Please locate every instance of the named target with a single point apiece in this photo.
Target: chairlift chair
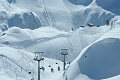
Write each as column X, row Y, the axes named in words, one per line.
column 32, row 79
column 43, row 68
column 58, row 68
column 49, row 66
column 29, row 72
column 69, row 62
column 52, row 70
column 49, row 63
column 56, row 60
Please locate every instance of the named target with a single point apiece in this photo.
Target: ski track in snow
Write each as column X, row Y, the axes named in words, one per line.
column 22, row 69
column 55, row 16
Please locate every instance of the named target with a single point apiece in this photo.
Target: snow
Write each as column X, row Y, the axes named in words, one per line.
column 102, row 58
column 82, row 2
column 107, row 5
column 49, row 26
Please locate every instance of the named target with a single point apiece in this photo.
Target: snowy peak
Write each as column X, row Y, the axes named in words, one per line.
column 62, row 15
column 110, row 5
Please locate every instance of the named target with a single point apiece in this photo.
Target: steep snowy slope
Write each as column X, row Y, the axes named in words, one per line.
column 61, row 14
column 100, row 60
column 110, row 5
column 48, row 40
column 82, row 15
column 14, row 16
column 42, row 25
column 35, row 13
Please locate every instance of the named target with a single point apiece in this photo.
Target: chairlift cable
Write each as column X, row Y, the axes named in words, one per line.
column 49, row 63
column 56, row 60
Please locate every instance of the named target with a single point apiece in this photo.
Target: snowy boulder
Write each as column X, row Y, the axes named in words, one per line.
column 101, row 60
column 14, row 34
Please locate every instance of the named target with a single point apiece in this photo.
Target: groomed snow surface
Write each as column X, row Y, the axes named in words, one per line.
column 99, row 60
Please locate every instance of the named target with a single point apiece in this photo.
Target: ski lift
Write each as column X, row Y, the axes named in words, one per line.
column 43, row 69
column 68, row 62
column 42, row 66
column 32, row 79
column 29, row 72
column 58, row 68
column 56, row 63
column 52, row 70
column 29, row 68
column 56, row 60
column 49, row 63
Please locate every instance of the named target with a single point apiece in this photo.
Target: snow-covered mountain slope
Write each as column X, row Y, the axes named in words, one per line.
column 49, row 26
column 111, row 5
column 46, row 39
column 22, row 66
column 100, row 60
column 36, row 13
column 82, row 15
column 51, row 41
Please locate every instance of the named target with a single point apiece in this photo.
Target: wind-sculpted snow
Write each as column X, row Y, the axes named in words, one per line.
column 62, row 16
column 110, row 5
column 20, row 64
column 81, row 2
column 51, row 25
column 24, row 20
column 53, row 42
column 93, row 13
column 102, row 59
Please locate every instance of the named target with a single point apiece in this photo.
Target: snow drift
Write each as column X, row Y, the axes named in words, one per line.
column 102, row 59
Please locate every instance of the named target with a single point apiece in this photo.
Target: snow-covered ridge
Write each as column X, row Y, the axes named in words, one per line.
column 110, row 5
column 40, row 13
column 51, row 25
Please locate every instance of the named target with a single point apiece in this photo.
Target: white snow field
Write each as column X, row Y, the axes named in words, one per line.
column 28, row 26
